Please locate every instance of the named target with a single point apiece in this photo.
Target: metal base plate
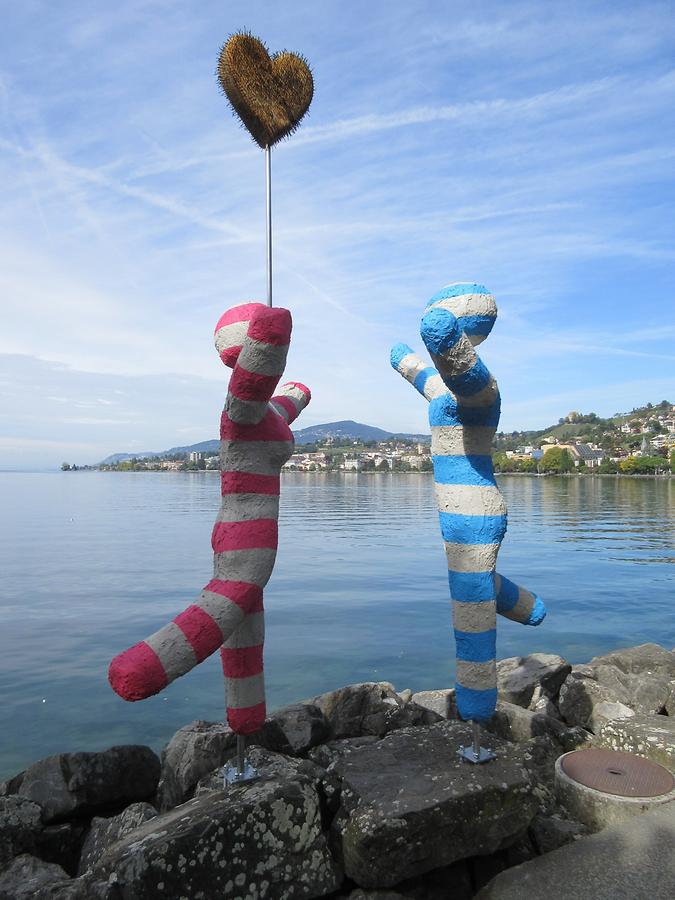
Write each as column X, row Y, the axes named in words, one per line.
column 232, row 774
column 469, row 754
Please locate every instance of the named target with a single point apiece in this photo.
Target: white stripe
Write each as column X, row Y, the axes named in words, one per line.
column 245, row 412
column 173, row 649
column 480, row 676
column 467, row 305
column 251, row 632
column 251, row 566
column 263, row 358
column 231, row 335
column 243, row 692
column 470, row 499
column 254, row 457
column 279, row 409
column 458, row 440
column 294, row 393
column 471, row 557
column 246, row 507
column 224, row 612
column 474, row 617
column 457, row 360
column 486, row 397
column 434, row 387
column 522, row 611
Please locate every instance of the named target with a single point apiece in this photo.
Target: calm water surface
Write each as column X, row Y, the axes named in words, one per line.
column 93, row 562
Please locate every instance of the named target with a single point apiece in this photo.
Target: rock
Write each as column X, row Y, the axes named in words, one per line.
column 541, row 703
column 447, row 883
column 20, row 825
column 268, row 765
column 74, row 783
column 441, row 702
column 405, row 695
column 303, row 725
column 371, row 708
column 514, row 723
column 624, row 862
column 259, row 839
column 62, row 844
column 519, row 676
column 650, row 736
column 605, row 711
column 646, row 658
column 27, row 876
column 198, row 748
column 105, row 832
column 552, row 831
column 410, row 804
column 588, row 686
column 327, row 754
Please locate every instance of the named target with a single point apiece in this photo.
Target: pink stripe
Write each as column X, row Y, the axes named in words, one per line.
column 248, row 719
column 242, row 662
column 137, row 673
column 246, row 535
column 242, row 313
column 268, row 429
column 273, row 326
column 230, row 355
column 248, row 597
column 288, row 405
column 245, row 385
column 201, row 632
column 248, row 483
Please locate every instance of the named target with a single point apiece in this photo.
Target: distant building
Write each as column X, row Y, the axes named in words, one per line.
column 195, row 456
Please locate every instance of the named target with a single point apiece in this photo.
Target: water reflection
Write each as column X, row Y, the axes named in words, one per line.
column 91, row 562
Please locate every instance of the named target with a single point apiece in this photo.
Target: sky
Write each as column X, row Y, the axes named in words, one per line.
column 526, row 146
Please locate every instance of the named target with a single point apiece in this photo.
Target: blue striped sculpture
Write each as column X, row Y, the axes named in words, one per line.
column 464, row 408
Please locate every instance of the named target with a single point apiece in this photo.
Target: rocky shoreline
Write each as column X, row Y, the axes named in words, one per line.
column 360, row 795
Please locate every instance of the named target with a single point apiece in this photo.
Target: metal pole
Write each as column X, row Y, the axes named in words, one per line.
column 241, row 754
column 268, row 211
column 475, row 728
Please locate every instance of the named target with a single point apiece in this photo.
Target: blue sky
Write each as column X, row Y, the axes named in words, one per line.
column 528, row 146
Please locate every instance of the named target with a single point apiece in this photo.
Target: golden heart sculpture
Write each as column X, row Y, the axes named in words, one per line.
column 270, row 94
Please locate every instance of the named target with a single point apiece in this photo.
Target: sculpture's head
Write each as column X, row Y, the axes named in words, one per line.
column 231, row 331
column 473, row 306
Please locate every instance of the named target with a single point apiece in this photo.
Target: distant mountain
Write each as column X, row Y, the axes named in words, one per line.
column 345, row 430
column 350, row 431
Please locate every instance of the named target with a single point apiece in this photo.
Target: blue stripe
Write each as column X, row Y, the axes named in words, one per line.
column 538, row 613
column 470, row 382
column 461, row 529
column 471, row 587
column 507, row 596
column 470, row 469
column 445, row 411
column 421, row 379
column 476, row 324
column 440, row 331
column 458, row 290
column 398, row 352
column 476, row 705
column 479, row 646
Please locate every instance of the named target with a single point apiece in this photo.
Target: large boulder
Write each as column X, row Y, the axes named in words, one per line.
column 304, row 726
column 522, row 678
column 74, row 783
column 261, row 839
column 371, row 708
column 650, row 736
column 198, row 748
column 514, row 723
column 411, row 804
column 20, row 826
column 588, row 686
column 442, row 702
column 649, row 659
column 105, row 832
column 623, row 862
column 28, row 877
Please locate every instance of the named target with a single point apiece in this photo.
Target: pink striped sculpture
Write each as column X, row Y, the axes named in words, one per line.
column 255, row 442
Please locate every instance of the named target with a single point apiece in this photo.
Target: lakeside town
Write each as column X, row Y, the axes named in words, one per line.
column 641, row 442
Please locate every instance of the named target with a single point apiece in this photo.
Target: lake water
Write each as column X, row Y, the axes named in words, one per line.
column 91, row 562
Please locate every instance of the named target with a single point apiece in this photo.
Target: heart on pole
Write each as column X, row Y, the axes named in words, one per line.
column 270, row 94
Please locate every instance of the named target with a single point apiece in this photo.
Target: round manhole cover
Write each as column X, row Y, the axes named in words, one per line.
column 617, row 773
